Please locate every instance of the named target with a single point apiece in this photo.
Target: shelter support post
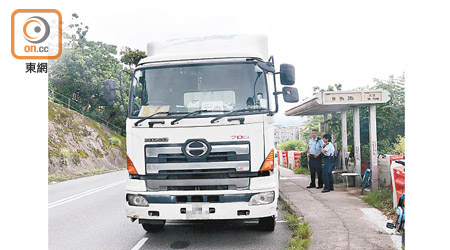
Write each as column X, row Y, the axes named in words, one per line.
column 333, row 133
column 325, row 124
column 344, row 139
column 357, row 143
column 373, row 145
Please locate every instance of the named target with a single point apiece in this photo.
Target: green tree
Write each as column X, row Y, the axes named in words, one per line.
column 131, row 57
column 293, row 145
column 335, row 87
column 312, row 122
column 390, row 115
column 81, row 70
column 399, row 145
column 333, row 122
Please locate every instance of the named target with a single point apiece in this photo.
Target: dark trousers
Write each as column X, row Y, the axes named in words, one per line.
column 327, row 174
column 315, row 165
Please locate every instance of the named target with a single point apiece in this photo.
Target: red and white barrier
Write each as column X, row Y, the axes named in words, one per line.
column 289, row 159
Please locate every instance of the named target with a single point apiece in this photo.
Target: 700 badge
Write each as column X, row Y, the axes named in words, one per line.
column 239, row 137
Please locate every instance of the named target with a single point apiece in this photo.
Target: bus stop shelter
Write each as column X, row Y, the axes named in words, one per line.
column 332, row 102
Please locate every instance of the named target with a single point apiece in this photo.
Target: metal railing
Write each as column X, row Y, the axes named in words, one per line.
column 72, row 104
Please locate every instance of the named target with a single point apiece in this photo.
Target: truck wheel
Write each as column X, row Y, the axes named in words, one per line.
column 154, row 227
column 267, row 223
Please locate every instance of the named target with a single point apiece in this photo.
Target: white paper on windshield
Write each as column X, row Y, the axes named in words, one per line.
column 215, row 105
column 194, row 104
column 150, row 110
column 201, row 98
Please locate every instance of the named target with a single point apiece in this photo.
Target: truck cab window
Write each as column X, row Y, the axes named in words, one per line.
column 214, row 87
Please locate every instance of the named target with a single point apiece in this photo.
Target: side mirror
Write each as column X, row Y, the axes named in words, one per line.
column 287, row 74
column 268, row 67
column 290, row 94
column 109, row 91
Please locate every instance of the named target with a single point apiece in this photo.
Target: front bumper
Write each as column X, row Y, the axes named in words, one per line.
column 201, row 210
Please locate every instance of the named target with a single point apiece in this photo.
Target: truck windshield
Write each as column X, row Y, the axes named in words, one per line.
column 186, row 88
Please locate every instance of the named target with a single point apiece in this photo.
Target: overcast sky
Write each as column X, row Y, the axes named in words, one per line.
column 346, row 42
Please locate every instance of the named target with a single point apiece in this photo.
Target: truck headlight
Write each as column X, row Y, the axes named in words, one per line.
column 137, row 200
column 262, row 198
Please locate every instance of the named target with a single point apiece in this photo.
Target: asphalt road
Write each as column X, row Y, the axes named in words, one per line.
column 88, row 213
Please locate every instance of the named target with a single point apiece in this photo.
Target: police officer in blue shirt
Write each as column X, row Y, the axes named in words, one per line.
column 315, row 162
column 328, row 153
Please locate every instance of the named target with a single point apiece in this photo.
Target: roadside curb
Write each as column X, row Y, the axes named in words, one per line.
column 293, row 207
column 301, row 231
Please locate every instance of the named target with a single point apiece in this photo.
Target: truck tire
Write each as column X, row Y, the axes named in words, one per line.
column 154, row 227
column 267, row 223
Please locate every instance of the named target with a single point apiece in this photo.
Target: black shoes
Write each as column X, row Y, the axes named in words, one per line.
column 310, row 186
column 319, row 187
column 326, row 190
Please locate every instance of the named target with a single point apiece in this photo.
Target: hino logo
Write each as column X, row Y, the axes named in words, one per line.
column 196, row 148
column 163, row 139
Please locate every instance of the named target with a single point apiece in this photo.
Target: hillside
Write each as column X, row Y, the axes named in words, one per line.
column 79, row 146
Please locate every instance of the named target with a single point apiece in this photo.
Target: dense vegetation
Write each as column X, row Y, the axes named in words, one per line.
column 83, row 66
column 79, row 146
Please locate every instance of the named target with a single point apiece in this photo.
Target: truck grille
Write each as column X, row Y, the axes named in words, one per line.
column 212, row 157
column 224, row 155
column 207, row 168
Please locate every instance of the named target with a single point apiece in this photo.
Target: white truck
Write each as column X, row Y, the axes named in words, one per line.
column 200, row 131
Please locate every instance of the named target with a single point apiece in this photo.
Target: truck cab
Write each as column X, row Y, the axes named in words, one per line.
column 200, row 131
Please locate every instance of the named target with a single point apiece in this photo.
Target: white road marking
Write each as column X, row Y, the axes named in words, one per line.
column 294, row 177
column 139, row 244
column 256, row 222
column 86, row 193
column 374, row 216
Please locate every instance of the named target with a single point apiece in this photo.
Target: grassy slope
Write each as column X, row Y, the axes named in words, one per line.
column 76, row 144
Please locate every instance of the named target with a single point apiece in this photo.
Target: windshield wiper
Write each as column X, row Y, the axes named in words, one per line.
column 232, row 113
column 196, row 112
column 189, row 115
column 157, row 113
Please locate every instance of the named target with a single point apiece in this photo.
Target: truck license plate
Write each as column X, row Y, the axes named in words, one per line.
column 197, row 210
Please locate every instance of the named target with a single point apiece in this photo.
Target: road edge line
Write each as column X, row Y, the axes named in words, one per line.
column 83, row 194
column 139, row 244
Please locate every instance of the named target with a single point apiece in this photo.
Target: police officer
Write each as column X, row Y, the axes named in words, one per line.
column 315, row 162
column 328, row 152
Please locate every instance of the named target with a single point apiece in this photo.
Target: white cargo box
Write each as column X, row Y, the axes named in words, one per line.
column 220, row 46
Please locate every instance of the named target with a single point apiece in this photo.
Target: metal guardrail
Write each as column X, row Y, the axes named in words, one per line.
column 72, row 104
